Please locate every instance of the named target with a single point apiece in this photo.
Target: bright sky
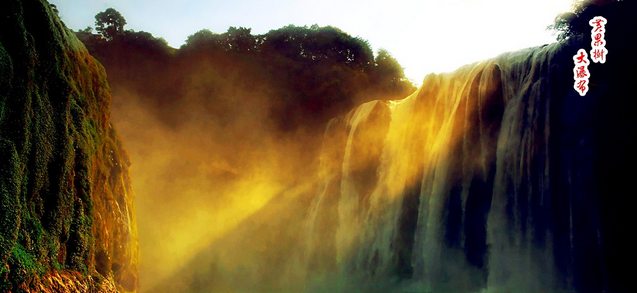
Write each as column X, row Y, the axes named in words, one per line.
column 424, row 36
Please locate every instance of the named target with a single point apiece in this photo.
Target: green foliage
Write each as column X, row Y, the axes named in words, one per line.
column 316, row 72
column 5, row 285
column 240, row 40
column 55, row 9
column 325, row 44
column 88, row 30
column 9, row 201
column 143, row 40
column 110, row 23
column 6, row 75
column 53, row 120
column 20, row 261
column 387, row 65
column 86, row 36
column 80, row 240
column 204, row 40
column 390, row 74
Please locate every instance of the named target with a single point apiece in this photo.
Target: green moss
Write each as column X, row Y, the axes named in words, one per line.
column 5, row 285
column 80, row 240
column 53, row 249
column 53, row 141
column 6, row 75
column 9, row 202
column 22, row 260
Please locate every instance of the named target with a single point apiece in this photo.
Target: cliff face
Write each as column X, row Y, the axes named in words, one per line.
column 67, row 221
column 498, row 177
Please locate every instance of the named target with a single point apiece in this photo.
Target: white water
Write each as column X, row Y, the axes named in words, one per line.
column 460, row 198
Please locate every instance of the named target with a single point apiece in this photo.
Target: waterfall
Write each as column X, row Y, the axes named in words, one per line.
column 483, row 180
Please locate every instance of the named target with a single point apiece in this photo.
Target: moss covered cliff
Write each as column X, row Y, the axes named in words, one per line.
column 67, row 221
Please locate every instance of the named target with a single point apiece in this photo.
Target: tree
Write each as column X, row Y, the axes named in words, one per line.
column 575, row 22
column 203, row 40
column 86, row 35
column 388, row 67
column 88, row 30
column 240, row 39
column 110, row 23
column 390, row 76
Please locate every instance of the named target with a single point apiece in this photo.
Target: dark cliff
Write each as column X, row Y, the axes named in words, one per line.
column 67, row 221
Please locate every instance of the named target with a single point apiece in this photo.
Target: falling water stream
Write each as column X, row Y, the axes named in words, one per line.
column 484, row 179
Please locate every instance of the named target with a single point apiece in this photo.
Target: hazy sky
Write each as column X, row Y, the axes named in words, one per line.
column 424, row 36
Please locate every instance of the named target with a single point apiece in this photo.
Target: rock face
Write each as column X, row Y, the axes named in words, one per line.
column 498, row 177
column 67, row 222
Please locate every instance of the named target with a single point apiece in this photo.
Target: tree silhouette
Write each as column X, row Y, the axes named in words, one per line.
column 204, row 40
column 575, row 22
column 389, row 76
column 110, row 23
column 314, row 72
column 388, row 67
column 240, row 39
column 87, row 30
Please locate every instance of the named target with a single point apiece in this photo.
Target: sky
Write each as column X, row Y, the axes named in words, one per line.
column 424, row 36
